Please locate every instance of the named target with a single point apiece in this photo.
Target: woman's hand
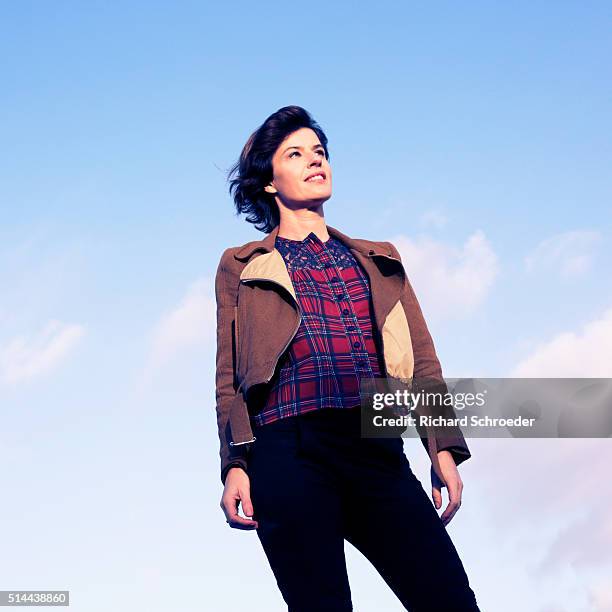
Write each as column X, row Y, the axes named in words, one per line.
column 454, row 485
column 238, row 490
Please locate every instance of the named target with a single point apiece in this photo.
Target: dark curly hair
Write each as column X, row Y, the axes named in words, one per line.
column 253, row 170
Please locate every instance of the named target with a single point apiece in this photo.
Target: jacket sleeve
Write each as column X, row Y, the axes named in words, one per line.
column 225, row 378
column 428, row 372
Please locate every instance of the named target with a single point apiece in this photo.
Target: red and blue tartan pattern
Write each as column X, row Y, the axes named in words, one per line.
column 334, row 346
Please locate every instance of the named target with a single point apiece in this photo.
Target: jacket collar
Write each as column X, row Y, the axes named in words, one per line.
column 365, row 247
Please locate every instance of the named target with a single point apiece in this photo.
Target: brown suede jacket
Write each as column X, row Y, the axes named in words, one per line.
column 258, row 316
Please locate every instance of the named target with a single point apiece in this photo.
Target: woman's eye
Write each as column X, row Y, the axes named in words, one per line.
column 321, row 151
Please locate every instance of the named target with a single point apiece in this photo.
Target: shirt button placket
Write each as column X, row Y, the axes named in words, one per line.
column 358, row 351
column 360, row 358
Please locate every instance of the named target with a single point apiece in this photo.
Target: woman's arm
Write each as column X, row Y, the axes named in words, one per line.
column 236, row 481
column 427, row 368
column 225, row 388
column 451, row 447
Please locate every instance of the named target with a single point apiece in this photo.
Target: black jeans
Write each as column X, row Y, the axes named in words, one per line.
column 315, row 482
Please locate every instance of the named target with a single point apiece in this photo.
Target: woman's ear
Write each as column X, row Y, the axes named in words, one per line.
column 270, row 188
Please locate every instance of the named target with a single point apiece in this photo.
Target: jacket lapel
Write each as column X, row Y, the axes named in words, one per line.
column 385, row 273
column 271, row 267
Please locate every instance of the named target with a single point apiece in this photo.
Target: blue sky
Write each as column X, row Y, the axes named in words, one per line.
column 475, row 137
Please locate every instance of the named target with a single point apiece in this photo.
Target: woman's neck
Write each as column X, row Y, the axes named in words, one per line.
column 297, row 227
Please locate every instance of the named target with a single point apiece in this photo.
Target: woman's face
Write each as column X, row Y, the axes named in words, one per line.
column 300, row 156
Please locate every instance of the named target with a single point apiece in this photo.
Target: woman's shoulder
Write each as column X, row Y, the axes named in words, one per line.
column 233, row 260
column 383, row 247
column 364, row 244
column 227, row 261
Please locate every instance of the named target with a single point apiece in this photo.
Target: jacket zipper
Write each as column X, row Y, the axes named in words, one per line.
column 299, row 309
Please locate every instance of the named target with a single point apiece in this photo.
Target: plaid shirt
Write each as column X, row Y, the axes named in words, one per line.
column 334, row 345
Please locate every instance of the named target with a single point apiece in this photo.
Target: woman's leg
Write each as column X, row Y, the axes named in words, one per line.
column 386, row 513
column 390, row 519
column 299, row 511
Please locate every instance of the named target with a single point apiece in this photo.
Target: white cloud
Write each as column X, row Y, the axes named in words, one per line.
column 568, row 254
column 449, row 282
column 584, row 354
column 24, row 358
column 190, row 324
column 586, row 542
column 552, row 498
column 563, row 479
column 600, row 598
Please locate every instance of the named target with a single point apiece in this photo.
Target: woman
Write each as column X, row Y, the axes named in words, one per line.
column 303, row 316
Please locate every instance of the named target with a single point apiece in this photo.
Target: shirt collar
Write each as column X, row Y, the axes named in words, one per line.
column 365, row 247
column 311, row 238
column 301, row 252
